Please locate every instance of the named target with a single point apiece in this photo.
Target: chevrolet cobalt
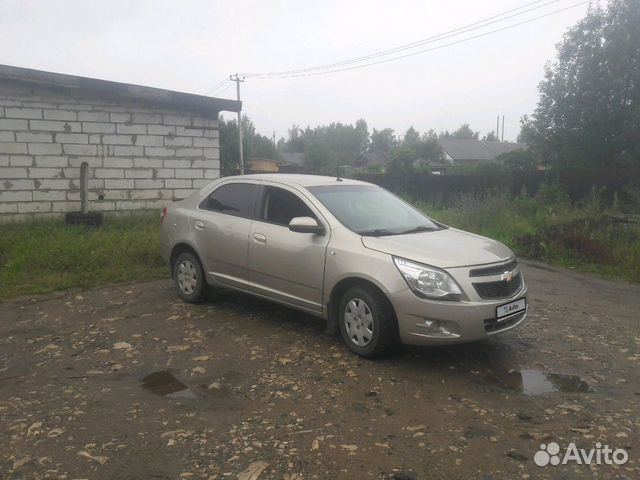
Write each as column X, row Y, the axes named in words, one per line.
column 374, row 267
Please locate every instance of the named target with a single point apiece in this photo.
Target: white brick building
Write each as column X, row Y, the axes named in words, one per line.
column 144, row 146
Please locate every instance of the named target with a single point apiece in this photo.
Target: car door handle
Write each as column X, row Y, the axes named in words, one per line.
column 199, row 225
column 260, row 238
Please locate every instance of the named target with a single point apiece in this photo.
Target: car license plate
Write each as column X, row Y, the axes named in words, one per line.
column 510, row 308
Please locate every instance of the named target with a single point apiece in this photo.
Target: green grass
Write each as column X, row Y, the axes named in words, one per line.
column 550, row 229
column 47, row 256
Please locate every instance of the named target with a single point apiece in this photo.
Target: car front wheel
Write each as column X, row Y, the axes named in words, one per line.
column 367, row 322
column 188, row 275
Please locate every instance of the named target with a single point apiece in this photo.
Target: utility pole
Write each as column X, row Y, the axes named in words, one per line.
column 503, row 128
column 238, row 79
column 498, row 129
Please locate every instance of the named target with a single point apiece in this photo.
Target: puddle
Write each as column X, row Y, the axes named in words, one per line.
column 165, row 384
column 538, row 382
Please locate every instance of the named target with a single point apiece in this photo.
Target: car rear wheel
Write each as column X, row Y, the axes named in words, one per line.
column 367, row 322
column 188, row 275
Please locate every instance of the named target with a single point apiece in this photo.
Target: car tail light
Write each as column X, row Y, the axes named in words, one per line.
column 163, row 214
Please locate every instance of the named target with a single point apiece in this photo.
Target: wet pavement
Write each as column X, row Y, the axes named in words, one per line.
column 165, row 384
column 531, row 381
column 127, row 382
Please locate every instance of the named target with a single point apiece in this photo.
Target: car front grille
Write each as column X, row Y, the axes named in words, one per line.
column 499, row 289
column 494, row 270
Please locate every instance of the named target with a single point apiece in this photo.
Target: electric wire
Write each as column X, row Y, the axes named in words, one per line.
column 399, row 57
column 217, row 86
column 442, row 36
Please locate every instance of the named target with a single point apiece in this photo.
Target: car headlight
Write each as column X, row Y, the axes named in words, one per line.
column 428, row 282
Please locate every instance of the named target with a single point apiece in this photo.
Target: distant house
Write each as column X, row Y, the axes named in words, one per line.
column 262, row 165
column 461, row 151
column 456, row 152
column 291, row 163
column 439, row 167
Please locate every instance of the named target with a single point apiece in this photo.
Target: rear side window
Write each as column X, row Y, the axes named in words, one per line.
column 280, row 206
column 236, row 199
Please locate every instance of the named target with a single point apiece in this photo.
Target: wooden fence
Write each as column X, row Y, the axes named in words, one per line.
column 444, row 189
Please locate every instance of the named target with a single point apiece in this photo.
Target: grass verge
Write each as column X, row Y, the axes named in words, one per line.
column 588, row 237
column 47, row 256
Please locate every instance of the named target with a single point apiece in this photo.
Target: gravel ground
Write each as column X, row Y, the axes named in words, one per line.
column 128, row 382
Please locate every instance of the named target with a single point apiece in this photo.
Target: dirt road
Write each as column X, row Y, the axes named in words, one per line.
column 127, row 382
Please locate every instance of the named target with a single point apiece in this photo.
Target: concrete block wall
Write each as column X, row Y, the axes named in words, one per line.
column 140, row 156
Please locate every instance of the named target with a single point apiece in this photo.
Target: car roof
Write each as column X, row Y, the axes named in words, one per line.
column 299, row 179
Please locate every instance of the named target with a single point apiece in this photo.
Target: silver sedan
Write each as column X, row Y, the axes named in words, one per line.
column 374, row 267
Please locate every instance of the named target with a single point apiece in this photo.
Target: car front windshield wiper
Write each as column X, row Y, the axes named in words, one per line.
column 419, row 228
column 377, row 232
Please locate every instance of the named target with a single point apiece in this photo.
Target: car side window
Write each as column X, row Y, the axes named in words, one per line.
column 235, row 199
column 280, row 206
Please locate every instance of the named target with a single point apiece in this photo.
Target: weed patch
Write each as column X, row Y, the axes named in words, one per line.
column 588, row 236
column 46, row 256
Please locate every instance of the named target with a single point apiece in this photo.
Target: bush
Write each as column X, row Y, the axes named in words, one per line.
column 553, row 195
column 549, row 228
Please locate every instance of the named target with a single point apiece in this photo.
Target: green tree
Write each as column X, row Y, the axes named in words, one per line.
column 464, row 132
column 253, row 145
column 518, row 160
column 491, row 137
column 345, row 142
column 414, row 147
column 382, row 141
column 429, row 148
column 296, row 142
column 588, row 114
column 318, row 159
column 263, row 147
column 362, row 134
column 229, row 151
column 327, row 146
column 402, row 160
column 411, row 137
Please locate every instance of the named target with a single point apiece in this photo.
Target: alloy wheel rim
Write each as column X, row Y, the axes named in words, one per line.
column 358, row 322
column 187, row 277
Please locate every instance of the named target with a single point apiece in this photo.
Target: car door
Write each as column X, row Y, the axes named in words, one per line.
column 221, row 224
column 285, row 265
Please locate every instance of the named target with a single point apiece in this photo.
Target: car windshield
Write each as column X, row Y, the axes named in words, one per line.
column 372, row 211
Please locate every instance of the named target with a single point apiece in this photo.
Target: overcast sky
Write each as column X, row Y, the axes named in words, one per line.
column 191, row 45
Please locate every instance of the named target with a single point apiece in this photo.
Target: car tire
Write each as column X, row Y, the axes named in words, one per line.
column 189, row 278
column 367, row 322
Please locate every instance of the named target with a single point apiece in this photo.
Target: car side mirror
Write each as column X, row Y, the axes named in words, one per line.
column 305, row 225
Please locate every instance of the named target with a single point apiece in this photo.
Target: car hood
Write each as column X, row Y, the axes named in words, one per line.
column 445, row 248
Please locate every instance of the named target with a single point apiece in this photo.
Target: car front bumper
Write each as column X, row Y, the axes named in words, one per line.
column 465, row 321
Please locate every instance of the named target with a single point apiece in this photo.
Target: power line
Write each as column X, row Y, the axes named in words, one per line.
column 386, row 60
column 225, row 89
column 451, row 33
column 216, row 86
column 222, row 88
column 417, row 43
